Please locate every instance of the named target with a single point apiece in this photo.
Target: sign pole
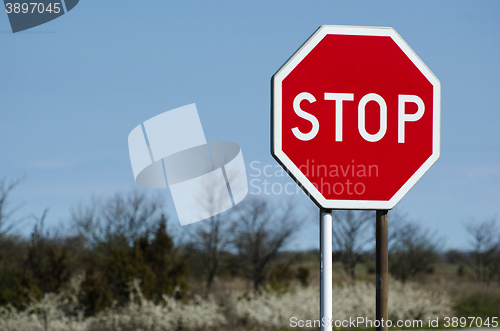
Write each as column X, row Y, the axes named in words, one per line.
column 325, row 239
column 382, row 263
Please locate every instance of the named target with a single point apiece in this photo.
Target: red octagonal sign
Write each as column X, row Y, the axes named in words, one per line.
column 355, row 117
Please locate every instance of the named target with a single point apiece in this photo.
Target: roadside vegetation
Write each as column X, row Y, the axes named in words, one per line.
column 119, row 266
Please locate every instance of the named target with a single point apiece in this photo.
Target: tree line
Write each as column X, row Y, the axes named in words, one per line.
column 413, row 249
column 116, row 240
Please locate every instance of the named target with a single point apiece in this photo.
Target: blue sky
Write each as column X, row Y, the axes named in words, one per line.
column 72, row 90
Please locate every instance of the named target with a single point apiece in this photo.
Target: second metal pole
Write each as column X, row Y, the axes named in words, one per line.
column 382, row 268
column 325, row 239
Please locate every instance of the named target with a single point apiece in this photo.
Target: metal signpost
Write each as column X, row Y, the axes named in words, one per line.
column 356, row 123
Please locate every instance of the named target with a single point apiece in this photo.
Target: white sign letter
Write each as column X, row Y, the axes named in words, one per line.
column 339, row 97
column 311, row 118
column 402, row 117
column 361, row 117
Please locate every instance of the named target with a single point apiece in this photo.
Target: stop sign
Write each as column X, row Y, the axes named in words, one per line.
column 355, row 117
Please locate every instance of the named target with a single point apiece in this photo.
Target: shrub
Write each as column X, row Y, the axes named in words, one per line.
column 478, row 304
column 153, row 262
column 303, row 275
column 269, row 310
column 406, row 301
column 15, row 288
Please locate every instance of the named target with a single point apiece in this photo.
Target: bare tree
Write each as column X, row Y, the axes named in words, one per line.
column 212, row 236
column 351, row 233
column 211, row 239
column 485, row 255
column 119, row 220
column 261, row 230
column 7, row 219
column 413, row 249
column 47, row 257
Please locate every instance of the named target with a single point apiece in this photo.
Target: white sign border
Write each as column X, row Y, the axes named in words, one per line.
column 276, row 117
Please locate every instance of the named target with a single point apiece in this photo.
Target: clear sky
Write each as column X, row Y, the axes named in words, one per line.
column 72, row 90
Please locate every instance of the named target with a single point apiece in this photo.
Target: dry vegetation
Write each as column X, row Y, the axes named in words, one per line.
column 120, row 268
column 224, row 310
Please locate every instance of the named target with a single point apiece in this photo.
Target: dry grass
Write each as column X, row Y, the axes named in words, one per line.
column 228, row 309
column 232, row 307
